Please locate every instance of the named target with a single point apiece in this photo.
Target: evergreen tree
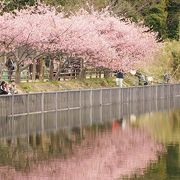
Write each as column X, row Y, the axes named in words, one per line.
column 155, row 16
column 10, row 5
column 173, row 20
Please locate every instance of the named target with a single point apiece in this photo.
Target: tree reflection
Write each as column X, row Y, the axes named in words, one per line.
column 102, row 151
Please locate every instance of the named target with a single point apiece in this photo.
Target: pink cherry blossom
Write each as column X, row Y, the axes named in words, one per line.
column 101, row 38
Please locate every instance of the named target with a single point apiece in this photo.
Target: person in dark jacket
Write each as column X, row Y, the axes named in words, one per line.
column 119, row 78
column 10, row 66
column 3, row 89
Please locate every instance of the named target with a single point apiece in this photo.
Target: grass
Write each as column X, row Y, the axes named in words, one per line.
column 64, row 85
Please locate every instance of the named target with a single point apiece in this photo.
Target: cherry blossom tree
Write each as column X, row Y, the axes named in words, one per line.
column 100, row 38
column 23, row 35
column 132, row 44
column 104, row 40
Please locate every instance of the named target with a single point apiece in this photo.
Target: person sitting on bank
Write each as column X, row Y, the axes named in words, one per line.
column 12, row 88
column 119, row 78
column 166, row 77
column 142, row 78
column 3, row 88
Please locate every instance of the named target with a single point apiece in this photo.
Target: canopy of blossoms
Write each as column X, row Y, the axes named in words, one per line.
column 101, row 38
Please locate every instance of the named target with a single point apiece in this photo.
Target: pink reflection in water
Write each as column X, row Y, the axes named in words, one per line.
column 109, row 156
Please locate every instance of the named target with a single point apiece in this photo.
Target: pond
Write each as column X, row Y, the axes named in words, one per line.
column 130, row 141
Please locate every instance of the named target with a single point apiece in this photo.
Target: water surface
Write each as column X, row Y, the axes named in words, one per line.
column 130, row 141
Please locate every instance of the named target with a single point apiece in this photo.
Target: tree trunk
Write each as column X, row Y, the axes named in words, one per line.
column 60, row 69
column 41, row 73
column 57, row 76
column 18, row 74
column 82, row 73
column 107, row 73
column 34, row 71
column 51, row 69
column 2, row 64
column 1, row 68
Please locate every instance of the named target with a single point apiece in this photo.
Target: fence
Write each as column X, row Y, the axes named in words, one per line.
column 22, row 104
column 67, row 75
column 36, row 112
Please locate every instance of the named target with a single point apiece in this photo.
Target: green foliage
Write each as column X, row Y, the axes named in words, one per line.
column 56, row 2
column 126, row 9
column 173, row 20
column 26, row 87
column 168, row 60
column 160, row 15
column 10, row 5
column 56, row 83
column 172, row 50
column 99, row 82
column 176, row 62
column 156, row 17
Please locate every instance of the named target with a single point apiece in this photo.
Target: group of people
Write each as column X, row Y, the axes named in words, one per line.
column 120, row 76
column 6, row 88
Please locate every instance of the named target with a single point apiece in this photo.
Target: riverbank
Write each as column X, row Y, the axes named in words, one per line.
column 48, row 86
